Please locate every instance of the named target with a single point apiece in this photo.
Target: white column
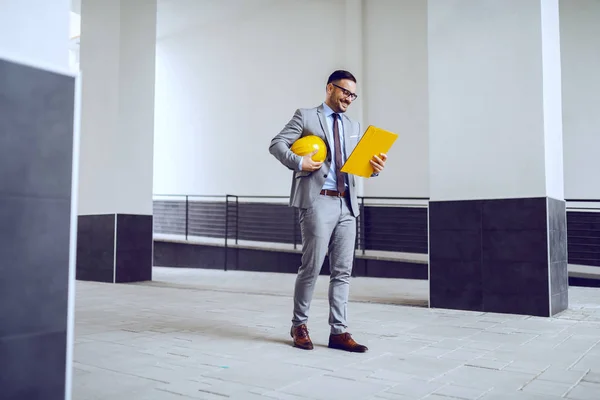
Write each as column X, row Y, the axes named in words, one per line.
column 580, row 51
column 35, row 32
column 118, row 41
column 497, row 228
column 355, row 63
column 395, row 95
column 355, row 53
column 580, row 41
column 494, row 85
column 117, row 61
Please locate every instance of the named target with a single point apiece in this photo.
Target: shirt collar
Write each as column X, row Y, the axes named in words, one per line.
column 329, row 111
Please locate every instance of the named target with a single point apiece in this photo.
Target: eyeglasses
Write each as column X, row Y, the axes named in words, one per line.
column 346, row 92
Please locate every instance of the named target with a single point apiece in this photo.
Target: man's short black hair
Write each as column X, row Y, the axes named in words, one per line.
column 339, row 75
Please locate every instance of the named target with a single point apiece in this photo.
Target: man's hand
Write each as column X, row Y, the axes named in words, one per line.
column 378, row 163
column 308, row 164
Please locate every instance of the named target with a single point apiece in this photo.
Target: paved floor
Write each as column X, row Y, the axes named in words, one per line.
column 197, row 334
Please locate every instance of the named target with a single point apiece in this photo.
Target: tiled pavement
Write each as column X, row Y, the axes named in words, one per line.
column 197, row 334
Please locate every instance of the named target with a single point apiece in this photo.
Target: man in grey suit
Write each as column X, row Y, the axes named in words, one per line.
column 328, row 207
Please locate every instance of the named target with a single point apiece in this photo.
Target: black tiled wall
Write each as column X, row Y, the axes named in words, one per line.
column 189, row 255
column 99, row 260
column 401, row 229
column 492, row 255
column 36, row 143
column 583, row 229
column 395, row 228
column 96, row 248
column 268, row 222
column 134, row 248
column 455, row 266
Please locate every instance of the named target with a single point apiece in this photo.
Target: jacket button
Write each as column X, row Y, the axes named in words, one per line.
column 325, row 176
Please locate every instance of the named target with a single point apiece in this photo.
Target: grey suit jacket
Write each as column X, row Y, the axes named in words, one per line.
column 307, row 185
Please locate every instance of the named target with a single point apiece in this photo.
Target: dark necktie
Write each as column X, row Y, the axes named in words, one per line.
column 338, row 155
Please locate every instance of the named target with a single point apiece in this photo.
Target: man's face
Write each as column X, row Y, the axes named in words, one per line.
column 340, row 95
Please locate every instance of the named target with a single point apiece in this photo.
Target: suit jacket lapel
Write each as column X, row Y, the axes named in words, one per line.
column 324, row 126
column 321, row 115
column 347, row 134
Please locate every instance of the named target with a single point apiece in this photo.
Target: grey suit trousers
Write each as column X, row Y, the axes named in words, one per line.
column 328, row 227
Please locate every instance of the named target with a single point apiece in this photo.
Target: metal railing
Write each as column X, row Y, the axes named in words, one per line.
column 392, row 224
column 388, row 224
column 583, row 232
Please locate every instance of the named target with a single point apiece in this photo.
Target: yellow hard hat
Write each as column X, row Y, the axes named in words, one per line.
column 307, row 144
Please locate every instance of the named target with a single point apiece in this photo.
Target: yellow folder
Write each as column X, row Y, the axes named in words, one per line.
column 374, row 141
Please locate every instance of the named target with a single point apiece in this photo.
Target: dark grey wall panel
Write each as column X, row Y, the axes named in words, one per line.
column 114, row 251
column 36, row 132
column 36, row 147
column 456, row 266
column 184, row 255
column 33, row 366
column 34, row 244
column 585, row 282
column 276, row 223
column 190, row 255
column 270, row 261
column 493, row 255
column 133, row 259
column 381, row 268
column 96, row 248
column 401, row 229
column 583, row 229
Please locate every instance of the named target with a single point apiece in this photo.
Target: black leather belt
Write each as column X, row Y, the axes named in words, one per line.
column 333, row 193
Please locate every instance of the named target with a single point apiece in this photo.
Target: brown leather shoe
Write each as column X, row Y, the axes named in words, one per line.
column 301, row 338
column 344, row 341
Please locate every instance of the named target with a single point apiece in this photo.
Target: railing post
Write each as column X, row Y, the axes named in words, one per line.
column 362, row 225
column 226, row 229
column 237, row 219
column 237, row 232
column 187, row 213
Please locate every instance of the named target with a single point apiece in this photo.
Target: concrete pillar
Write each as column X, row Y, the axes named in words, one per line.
column 38, row 213
column 117, row 60
column 355, row 63
column 497, row 220
column 580, row 53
